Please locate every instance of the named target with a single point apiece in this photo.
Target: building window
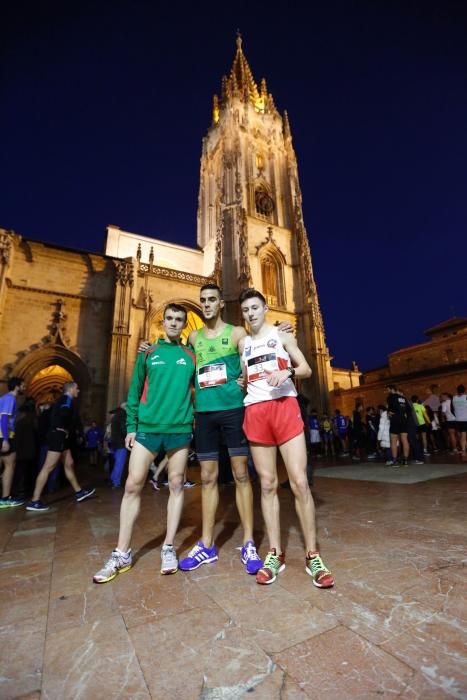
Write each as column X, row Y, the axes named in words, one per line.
column 272, row 279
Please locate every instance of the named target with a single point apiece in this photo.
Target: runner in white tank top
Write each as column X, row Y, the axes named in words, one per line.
column 273, row 421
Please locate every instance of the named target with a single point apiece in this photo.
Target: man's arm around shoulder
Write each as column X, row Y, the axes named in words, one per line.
column 238, row 333
column 192, row 337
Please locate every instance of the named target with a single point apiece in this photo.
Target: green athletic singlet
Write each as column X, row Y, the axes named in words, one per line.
column 217, row 369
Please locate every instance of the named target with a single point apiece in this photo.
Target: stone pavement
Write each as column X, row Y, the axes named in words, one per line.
column 394, row 626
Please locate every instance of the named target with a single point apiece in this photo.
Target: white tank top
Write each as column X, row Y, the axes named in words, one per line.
column 460, row 407
column 262, row 356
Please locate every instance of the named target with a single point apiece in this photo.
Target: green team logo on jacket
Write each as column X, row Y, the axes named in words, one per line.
column 217, row 369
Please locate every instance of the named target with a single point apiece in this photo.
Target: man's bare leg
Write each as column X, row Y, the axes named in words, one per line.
column 9, row 463
column 140, row 459
column 424, row 443
column 265, row 459
column 176, row 467
column 394, row 440
column 51, row 461
column 209, row 500
column 294, row 455
column 69, row 469
column 405, row 445
column 243, row 495
column 462, row 440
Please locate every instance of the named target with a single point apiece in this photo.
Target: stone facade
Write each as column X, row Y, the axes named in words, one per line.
column 56, row 308
column 442, row 360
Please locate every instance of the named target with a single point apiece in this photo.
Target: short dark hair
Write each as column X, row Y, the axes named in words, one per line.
column 414, row 399
column 175, row 307
column 460, row 389
column 214, row 286
column 13, row 382
column 251, row 293
column 391, row 387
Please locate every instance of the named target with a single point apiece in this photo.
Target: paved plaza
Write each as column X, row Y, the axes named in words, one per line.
column 394, row 626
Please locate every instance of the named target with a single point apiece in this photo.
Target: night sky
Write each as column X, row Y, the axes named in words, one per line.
column 104, row 105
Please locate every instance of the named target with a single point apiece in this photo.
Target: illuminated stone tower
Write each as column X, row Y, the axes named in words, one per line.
column 250, row 220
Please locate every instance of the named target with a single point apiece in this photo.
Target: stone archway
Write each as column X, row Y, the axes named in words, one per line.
column 46, row 369
column 194, row 319
column 47, row 383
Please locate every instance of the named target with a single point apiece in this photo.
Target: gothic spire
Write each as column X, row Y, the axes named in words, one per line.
column 241, row 84
column 241, row 77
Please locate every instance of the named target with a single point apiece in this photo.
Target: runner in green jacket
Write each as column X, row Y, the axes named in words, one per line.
column 159, row 416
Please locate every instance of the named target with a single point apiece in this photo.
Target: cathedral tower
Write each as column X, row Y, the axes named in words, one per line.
column 250, row 220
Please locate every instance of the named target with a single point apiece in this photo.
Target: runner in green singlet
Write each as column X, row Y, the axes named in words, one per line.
column 219, row 412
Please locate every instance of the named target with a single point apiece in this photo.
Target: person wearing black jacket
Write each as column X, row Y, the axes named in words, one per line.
column 399, row 412
column 358, row 434
column 65, row 428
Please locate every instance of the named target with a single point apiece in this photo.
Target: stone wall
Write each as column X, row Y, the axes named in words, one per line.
column 441, row 361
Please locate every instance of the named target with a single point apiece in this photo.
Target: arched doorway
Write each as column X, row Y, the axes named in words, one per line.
column 194, row 321
column 46, row 370
column 47, row 383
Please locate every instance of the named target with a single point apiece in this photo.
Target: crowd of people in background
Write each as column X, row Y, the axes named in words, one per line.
column 402, row 429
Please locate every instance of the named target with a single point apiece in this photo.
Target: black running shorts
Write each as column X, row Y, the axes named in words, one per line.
column 398, row 425
column 57, row 441
column 213, row 426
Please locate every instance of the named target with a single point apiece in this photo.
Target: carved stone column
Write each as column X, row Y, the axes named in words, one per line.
column 6, row 254
column 118, row 370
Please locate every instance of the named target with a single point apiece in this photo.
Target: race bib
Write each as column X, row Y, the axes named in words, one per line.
column 212, row 375
column 260, row 367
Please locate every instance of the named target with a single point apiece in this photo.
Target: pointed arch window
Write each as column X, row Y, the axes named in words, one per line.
column 272, row 278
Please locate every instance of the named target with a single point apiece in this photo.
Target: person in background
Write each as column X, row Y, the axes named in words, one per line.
column 448, row 422
column 8, row 409
column 341, row 425
column 423, row 421
column 412, row 436
column 358, row 433
column 383, row 434
column 399, row 410
column 432, row 398
column 65, row 430
column 94, row 439
column 315, row 438
column 371, row 432
column 27, row 448
column 459, row 409
column 327, row 435
column 117, row 439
